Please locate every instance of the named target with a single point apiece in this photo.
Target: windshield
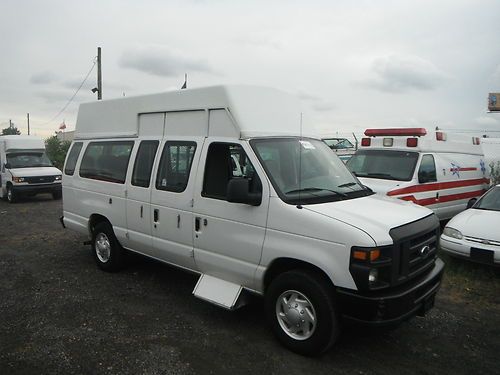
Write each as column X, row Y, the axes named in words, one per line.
column 306, row 171
column 490, row 200
column 28, row 159
column 388, row 165
column 338, row 143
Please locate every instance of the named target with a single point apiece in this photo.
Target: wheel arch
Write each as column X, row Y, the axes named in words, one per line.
column 281, row 265
column 95, row 219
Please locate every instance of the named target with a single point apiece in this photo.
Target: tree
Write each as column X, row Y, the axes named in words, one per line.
column 495, row 173
column 11, row 131
column 57, row 150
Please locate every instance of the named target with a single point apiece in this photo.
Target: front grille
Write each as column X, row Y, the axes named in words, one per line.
column 40, row 179
column 482, row 241
column 415, row 248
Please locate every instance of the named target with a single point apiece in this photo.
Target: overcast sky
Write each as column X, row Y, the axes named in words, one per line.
column 354, row 64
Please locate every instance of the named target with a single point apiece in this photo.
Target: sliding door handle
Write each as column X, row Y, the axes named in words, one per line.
column 197, row 223
column 156, row 215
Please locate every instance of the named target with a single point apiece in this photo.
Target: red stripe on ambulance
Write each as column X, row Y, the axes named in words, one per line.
column 438, row 186
column 443, row 198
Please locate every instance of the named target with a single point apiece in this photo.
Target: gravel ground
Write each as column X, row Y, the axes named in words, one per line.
column 60, row 314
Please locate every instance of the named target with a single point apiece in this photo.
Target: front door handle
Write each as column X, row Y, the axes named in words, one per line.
column 156, row 215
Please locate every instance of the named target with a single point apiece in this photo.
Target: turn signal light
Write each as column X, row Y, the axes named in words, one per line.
column 366, row 255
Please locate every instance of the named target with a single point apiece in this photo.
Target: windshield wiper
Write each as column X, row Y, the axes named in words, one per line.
column 383, row 175
column 349, row 184
column 311, row 189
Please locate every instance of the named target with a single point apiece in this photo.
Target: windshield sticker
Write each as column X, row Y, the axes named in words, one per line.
column 307, row 145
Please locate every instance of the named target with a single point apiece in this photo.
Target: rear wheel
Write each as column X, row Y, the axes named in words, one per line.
column 300, row 309
column 108, row 253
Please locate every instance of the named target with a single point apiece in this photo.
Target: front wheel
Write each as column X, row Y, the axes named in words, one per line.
column 300, row 309
column 11, row 194
column 108, row 253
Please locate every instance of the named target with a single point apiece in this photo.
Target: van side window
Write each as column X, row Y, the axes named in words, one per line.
column 427, row 170
column 69, row 169
column 106, row 161
column 226, row 161
column 144, row 163
column 175, row 166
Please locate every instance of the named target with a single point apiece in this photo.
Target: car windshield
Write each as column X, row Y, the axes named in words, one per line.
column 382, row 164
column 306, row 171
column 28, row 160
column 338, row 143
column 490, row 200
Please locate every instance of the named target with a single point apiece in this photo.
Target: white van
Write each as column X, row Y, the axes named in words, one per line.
column 157, row 175
column 442, row 172
column 26, row 169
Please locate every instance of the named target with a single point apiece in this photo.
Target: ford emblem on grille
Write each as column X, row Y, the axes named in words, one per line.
column 424, row 251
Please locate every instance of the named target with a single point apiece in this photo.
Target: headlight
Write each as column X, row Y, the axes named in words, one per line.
column 58, row 178
column 18, row 179
column 451, row 232
column 373, row 276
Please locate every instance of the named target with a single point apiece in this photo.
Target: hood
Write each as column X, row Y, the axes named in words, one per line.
column 382, row 186
column 35, row 172
column 375, row 215
column 477, row 223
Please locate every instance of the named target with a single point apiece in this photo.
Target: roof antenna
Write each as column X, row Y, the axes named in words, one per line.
column 299, row 206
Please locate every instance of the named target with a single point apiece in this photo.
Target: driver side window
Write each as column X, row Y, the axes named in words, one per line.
column 226, row 161
column 427, row 170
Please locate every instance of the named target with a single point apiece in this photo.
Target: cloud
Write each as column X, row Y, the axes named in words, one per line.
column 399, row 74
column 316, row 102
column 162, row 61
column 486, row 121
column 43, row 78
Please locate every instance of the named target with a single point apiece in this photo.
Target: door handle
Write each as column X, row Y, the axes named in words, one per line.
column 156, row 215
column 197, row 223
column 142, row 211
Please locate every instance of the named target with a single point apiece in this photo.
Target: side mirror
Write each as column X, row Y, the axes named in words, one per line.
column 471, row 202
column 7, row 165
column 238, row 191
column 423, row 177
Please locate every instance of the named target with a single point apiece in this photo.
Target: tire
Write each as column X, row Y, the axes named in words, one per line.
column 107, row 251
column 11, row 194
column 57, row 195
column 294, row 297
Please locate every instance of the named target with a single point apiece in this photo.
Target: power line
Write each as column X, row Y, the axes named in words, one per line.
column 73, row 96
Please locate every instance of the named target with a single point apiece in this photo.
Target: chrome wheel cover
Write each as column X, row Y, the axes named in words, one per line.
column 296, row 315
column 102, row 247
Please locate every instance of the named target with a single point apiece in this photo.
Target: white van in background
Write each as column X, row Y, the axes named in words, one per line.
column 216, row 181
column 433, row 169
column 26, row 169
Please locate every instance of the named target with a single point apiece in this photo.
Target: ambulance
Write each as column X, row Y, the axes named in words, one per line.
column 430, row 168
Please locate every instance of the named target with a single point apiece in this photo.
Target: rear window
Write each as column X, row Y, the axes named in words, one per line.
column 106, row 161
column 69, row 169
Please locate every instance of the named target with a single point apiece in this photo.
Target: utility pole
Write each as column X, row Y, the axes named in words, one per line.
column 28, row 123
column 10, row 124
column 99, row 76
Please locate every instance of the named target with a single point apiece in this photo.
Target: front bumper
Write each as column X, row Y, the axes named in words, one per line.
column 37, row 188
column 385, row 308
column 462, row 249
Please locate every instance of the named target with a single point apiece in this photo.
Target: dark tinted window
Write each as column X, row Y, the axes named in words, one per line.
column 144, row 163
column 427, row 170
column 224, row 162
column 175, row 166
column 69, row 169
column 106, row 161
